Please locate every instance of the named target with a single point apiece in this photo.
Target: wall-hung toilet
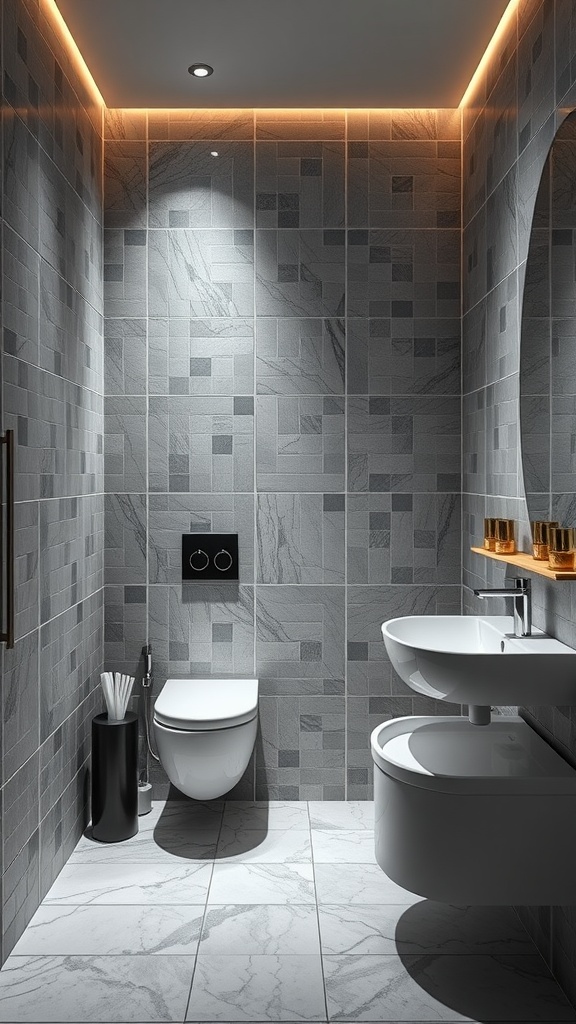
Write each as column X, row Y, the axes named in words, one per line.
column 469, row 815
column 205, row 730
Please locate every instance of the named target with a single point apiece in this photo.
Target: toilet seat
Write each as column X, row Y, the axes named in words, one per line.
column 200, row 705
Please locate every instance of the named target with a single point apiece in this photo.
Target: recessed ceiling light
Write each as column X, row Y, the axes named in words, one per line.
column 214, row 153
column 200, row 70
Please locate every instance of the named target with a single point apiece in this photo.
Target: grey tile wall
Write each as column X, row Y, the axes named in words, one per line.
column 51, row 395
column 508, row 127
column 282, row 361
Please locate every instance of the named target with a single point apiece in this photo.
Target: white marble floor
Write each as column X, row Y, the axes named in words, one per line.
column 268, row 912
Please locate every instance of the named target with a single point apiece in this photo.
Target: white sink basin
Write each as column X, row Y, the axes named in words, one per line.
column 473, row 659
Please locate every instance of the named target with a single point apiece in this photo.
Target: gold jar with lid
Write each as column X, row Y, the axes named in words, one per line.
column 561, row 548
column 540, row 528
column 489, row 534
column 505, row 542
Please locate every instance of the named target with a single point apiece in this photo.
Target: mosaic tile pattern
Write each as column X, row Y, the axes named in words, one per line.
column 300, row 185
column 51, row 388
column 294, row 283
column 201, row 357
column 201, row 444
column 300, row 444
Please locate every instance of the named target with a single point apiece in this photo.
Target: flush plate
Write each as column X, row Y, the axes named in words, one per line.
column 210, row 557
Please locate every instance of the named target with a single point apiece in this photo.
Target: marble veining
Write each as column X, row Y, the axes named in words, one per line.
column 234, row 939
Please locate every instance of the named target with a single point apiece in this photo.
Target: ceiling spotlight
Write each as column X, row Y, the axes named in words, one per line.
column 214, row 153
column 200, row 70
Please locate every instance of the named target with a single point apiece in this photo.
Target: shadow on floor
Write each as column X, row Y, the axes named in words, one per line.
column 495, row 980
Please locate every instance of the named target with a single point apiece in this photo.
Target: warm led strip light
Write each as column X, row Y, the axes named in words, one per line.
column 490, row 50
column 52, row 13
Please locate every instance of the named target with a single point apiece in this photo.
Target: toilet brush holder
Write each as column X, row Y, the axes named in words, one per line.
column 144, row 798
column 114, row 778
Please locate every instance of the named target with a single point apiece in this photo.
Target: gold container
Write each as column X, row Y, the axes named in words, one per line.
column 505, row 541
column 561, row 548
column 540, row 528
column 490, row 534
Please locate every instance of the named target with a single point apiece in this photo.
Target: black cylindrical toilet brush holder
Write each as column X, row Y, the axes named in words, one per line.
column 114, row 778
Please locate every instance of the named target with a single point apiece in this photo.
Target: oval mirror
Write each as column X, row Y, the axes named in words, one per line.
column 548, row 340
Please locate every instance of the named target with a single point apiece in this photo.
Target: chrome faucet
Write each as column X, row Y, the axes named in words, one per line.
column 521, row 592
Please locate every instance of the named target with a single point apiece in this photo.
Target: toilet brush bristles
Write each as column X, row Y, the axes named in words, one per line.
column 117, row 690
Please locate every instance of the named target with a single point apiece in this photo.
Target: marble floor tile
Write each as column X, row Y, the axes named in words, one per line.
column 265, row 929
column 257, row 988
column 86, row 988
column 154, row 846
column 426, row 927
column 182, row 814
column 262, row 883
column 124, row 883
column 250, row 846
column 358, row 883
column 343, row 846
column 264, row 814
column 443, row 988
column 347, row 814
column 112, row 930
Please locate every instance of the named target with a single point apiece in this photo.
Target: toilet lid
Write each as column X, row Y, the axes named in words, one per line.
column 199, row 704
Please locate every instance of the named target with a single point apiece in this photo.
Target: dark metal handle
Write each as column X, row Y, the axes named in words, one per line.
column 7, row 636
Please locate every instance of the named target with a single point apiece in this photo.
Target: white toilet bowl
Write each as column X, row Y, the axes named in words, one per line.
column 474, row 815
column 205, row 730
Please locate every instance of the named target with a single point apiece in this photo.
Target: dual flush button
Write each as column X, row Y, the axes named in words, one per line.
column 209, row 556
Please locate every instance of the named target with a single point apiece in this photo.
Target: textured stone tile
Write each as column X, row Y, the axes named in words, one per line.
column 125, row 354
column 125, row 184
column 404, row 182
column 300, row 356
column 182, row 629
column 125, row 256
column 402, row 357
column 293, row 125
column 403, row 274
column 124, row 124
column 52, row 459
column 185, row 125
column 189, row 187
column 20, row 187
column 125, row 538
column 71, row 552
column 300, row 538
column 20, row 686
column 70, row 655
column 300, row 273
column 404, row 444
column 300, row 185
column 125, row 444
column 201, row 444
column 71, row 332
column 200, row 273
column 20, row 307
column 300, row 636
column 300, row 444
column 125, row 626
column 214, row 356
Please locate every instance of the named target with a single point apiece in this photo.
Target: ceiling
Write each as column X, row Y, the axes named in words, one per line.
column 283, row 53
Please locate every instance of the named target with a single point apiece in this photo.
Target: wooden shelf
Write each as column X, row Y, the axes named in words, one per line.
column 527, row 564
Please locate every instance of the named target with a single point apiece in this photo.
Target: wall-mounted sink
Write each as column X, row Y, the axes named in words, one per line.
column 473, row 659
